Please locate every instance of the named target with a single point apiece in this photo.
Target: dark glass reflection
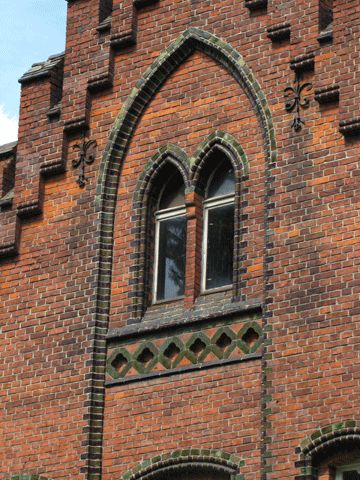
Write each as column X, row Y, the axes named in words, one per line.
column 173, row 193
column 171, row 258
column 222, row 182
column 220, row 246
column 351, row 475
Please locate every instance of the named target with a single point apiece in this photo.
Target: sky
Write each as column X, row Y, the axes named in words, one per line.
column 31, row 31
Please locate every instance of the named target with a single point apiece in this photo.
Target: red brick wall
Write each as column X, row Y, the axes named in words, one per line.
column 45, row 339
column 148, row 419
column 300, row 227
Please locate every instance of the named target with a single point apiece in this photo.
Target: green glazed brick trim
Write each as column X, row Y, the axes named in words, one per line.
column 176, row 345
column 220, row 138
column 327, row 433
column 320, row 440
column 308, row 471
column 248, row 327
column 211, row 458
column 170, row 354
column 170, row 153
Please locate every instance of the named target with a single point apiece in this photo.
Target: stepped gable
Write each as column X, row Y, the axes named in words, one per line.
column 7, row 149
column 106, row 374
column 43, row 69
column 7, row 173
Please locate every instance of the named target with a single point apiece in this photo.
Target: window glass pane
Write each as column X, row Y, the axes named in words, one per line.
column 194, row 474
column 220, row 246
column 173, row 194
column 171, row 258
column 222, row 182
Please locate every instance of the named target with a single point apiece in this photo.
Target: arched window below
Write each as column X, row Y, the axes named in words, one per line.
column 337, row 457
column 193, row 473
column 348, row 472
column 218, row 231
column 170, row 240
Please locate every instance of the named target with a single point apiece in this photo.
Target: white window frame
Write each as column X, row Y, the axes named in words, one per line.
column 161, row 215
column 210, row 204
column 346, row 468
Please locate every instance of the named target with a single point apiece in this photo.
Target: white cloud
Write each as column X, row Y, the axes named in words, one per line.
column 8, row 127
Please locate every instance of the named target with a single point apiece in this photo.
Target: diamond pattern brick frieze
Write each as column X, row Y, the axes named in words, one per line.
column 199, row 346
column 146, row 357
column 224, row 341
column 186, row 348
column 250, row 337
column 119, row 363
column 169, row 352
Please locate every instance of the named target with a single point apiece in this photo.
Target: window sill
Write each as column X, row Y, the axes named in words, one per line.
column 211, row 291
column 179, row 317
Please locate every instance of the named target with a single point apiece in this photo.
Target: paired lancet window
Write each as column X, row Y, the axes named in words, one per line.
column 170, row 245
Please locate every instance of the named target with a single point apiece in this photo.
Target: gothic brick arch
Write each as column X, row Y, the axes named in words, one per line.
column 338, row 442
column 222, row 141
column 188, row 460
column 192, row 39
column 106, row 194
column 166, row 154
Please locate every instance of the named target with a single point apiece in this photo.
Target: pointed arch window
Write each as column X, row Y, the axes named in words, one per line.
column 170, row 240
column 218, row 230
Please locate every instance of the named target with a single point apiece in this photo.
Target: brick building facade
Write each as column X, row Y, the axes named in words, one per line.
column 104, row 373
